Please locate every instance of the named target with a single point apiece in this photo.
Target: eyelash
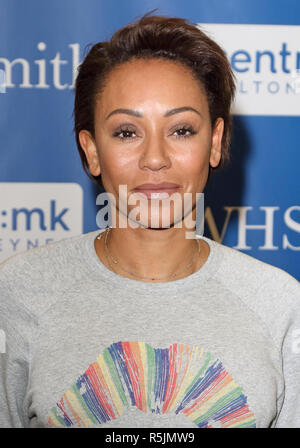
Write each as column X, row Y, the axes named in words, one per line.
column 190, row 129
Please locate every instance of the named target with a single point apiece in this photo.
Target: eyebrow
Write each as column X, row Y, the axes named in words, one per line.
column 168, row 113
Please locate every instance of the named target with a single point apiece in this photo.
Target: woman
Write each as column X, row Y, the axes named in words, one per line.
column 147, row 324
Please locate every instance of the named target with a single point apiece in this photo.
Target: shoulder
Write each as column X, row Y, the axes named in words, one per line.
column 32, row 279
column 239, row 268
column 272, row 293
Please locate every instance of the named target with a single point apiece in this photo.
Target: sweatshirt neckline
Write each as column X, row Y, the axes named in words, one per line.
column 208, row 269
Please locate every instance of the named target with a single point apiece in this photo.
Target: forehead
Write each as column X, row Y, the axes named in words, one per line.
column 152, row 80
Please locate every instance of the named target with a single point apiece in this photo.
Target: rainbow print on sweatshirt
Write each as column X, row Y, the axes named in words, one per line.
column 182, row 379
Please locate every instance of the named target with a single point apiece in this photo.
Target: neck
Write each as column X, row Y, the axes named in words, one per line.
column 154, row 253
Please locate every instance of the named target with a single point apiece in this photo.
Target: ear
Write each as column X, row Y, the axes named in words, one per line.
column 216, row 143
column 89, row 147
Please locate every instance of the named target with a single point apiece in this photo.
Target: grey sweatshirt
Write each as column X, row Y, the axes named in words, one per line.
column 85, row 347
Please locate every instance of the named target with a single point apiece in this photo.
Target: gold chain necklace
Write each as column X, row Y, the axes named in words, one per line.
column 131, row 273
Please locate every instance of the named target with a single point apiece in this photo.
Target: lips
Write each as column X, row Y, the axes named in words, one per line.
column 161, row 186
column 157, row 191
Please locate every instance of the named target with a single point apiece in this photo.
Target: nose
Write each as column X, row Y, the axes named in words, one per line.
column 155, row 154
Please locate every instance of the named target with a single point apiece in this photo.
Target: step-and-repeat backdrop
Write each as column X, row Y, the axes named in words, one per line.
column 45, row 196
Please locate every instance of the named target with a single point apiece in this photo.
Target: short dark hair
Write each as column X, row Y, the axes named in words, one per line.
column 153, row 36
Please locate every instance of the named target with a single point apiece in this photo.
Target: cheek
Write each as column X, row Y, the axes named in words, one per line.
column 193, row 161
column 118, row 167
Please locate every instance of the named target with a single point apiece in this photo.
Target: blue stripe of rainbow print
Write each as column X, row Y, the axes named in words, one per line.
column 181, row 379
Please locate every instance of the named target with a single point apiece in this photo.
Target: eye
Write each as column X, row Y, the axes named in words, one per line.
column 187, row 132
column 124, row 133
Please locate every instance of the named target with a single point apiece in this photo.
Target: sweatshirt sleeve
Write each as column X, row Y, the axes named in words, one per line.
column 289, row 413
column 13, row 382
column 15, row 324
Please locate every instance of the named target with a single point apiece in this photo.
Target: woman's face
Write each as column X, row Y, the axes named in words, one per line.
column 162, row 134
